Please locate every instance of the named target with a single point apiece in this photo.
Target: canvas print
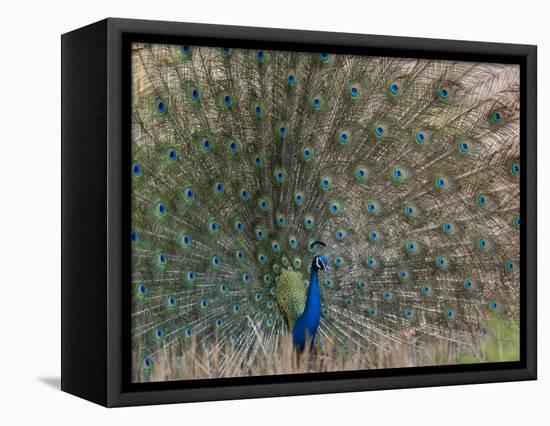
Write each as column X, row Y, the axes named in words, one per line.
column 305, row 212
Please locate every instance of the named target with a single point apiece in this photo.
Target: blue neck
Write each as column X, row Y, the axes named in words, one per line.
column 313, row 302
column 307, row 323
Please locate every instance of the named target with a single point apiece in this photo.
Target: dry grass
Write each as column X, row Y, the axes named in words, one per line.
column 189, row 360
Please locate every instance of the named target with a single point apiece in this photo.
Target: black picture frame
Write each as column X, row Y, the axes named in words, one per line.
column 96, row 202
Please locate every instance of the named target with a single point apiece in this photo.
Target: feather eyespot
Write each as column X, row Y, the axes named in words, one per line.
column 141, row 290
column 160, row 106
column 258, row 110
column 185, row 241
column 380, row 130
column 260, row 56
column 394, row 89
column 444, row 93
column 244, row 194
column 326, row 183
column 422, row 137
column 147, row 363
column 307, row 154
column 186, row 51
column 279, row 174
column 442, row 183
column 514, row 169
column 160, row 209
column 137, row 170
column 309, row 222
column 292, row 242
column 344, row 137
column 213, row 227
column 291, row 78
column 317, row 103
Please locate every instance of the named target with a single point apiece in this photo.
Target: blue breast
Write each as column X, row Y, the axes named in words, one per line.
column 306, row 325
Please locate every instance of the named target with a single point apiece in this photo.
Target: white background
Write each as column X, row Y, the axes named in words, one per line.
column 30, row 211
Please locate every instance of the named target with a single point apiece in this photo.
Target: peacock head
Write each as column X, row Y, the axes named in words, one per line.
column 320, row 261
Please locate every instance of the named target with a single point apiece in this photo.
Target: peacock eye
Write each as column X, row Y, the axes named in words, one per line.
column 291, row 78
column 136, row 169
column 463, row 147
column 355, row 90
column 344, row 137
column 258, row 161
column 481, row 200
column 213, row 227
column 309, row 221
column 317, row 102
column 244, row 194
column 263, row 204
column 160, row 209
column 258, row 110
column 307, row 154
column 380, row 130
column 141, row 289
column 206, row 144
column 185, row 241
column 232, row 146
column 449, row 314
column 186, row 50
column 399, row 174
column 442, row 183
column 279, row 174
column 335, row 207
column 194, row 93
column 160, row 105
column 422, row 137
column 147, row 363
column 395, row 88
column 218, row 188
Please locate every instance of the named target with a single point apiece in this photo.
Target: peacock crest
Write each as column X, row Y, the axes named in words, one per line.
column 243, row 159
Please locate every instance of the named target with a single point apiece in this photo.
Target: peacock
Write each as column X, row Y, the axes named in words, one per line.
column 360, row 203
